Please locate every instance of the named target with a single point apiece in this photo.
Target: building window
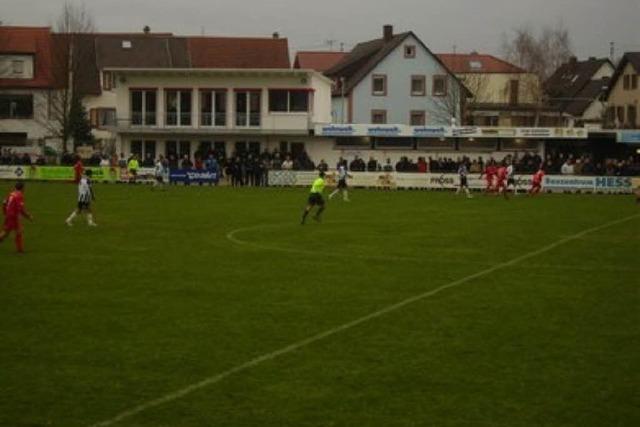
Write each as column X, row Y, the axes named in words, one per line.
column 634, row 81
column 17, row 67
column 108, row 80
column 439, row 86
column 514, row 91
column 620, row 115
column 379, row 85
column 102, row 117
column 379, row 117
column 178, row 107
column 631, row 116
column 418, row 85
column 143, row 107
column 16, row 106
column 417, row 118
column 286, row 101
column 626, row 82
column 213, row 108
column 248, row 108
column 409, row 51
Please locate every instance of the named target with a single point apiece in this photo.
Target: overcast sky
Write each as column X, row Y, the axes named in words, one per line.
column 468, row 24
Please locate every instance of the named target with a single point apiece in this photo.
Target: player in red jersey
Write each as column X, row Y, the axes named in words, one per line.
column 501, row 177
column 489, row 175
column 13, row 208
column 78, row 169
column 536, row 184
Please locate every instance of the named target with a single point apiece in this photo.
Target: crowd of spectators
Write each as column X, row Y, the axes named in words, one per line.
column 251, row 168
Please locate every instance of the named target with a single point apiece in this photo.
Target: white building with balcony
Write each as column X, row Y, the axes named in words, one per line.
column 184, row 111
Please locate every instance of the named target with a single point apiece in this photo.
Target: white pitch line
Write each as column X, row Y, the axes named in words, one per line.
column 318, row 337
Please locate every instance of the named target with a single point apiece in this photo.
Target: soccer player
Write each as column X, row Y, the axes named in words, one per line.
column 342, row 183
column 160, row 172
column 85, row 197
column 501, row 177
column 511, row 178
column 13, row 208
column 315, row 198
column 133, row 167
column 489, row 174
column 536, row 184
column 463, row 173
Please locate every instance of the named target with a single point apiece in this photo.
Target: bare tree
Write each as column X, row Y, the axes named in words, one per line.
column 478, row 86
column 444, row 109
column 72, row 25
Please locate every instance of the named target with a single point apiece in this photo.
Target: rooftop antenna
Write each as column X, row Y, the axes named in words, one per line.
column 455, row 48
column 330, row 43
column 202, row 30
column 341, row 46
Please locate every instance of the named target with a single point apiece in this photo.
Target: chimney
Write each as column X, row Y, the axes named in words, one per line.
column 573, row 60
column 593, row 58
column 387, row 32
column 146, row 29
column 276, row 35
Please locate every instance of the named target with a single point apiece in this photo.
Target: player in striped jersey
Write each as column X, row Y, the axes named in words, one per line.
column 463, row 173
column 511, row 179
column 85, row 197
column 342, row 184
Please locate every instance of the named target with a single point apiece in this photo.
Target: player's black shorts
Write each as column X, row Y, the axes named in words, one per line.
column 511, row 181
column 133, row 172
column 463, row 181
column 342, row 184
column 83, row 206
column 315, row 199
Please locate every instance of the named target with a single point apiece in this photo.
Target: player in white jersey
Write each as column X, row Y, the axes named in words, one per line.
column 463, row 173
column 511, row 179
column 85, row 197
column 342, row 183
column 160, row 171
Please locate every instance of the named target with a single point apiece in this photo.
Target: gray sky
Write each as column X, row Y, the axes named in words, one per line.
column 469, row 24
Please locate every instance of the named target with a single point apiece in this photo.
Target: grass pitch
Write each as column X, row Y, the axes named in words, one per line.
column 175, row 287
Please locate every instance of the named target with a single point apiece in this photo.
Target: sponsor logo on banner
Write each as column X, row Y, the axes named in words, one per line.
column 384, row 131
column 426, row 132
column 14, row 172
column 444, row 180
column 62, row 173
column 613, row 182
column 534, row 132
column 188, row 176
column 629, row 136
column 569, row 182
column 337, row 130
column 464, row 131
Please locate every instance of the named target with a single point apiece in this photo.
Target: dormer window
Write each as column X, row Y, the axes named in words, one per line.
column 126, row 44
column 409, row 51
column 475, row 65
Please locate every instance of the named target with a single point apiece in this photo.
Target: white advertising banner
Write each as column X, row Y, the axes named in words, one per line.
column 450, row 181
column 14, row 172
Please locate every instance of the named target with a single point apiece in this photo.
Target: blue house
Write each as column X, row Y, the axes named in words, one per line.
column 395, row 79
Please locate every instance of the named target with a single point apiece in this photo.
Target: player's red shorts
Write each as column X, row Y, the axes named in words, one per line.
column 11, row 224
column 500, row 183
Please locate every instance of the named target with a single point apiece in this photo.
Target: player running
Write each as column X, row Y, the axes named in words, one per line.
column 536, row 184
column 315, row 198
column 13, row 208
column 160, row 171
column 85, row 197
column 342, row 183
column 463, row 173
column 489, row 175
column 501, row 177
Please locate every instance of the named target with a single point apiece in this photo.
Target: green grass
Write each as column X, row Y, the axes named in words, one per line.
column 97, row 321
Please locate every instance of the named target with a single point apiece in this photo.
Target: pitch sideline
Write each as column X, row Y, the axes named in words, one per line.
column 318, row 337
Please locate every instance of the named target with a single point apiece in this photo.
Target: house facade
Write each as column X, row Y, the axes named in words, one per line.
column 178, row 112
column 502, row 94
column 395, row 79
column 30, row 78
column 623, row 95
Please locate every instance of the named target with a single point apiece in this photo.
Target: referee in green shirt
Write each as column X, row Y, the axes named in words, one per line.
column 315, row 198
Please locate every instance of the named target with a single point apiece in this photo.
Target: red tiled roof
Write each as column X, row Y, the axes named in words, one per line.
column 319, row 61
column 238, row 52
column 461, row 63
column 34, row 41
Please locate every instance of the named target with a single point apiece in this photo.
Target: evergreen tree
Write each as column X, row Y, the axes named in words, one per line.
column 79, row 124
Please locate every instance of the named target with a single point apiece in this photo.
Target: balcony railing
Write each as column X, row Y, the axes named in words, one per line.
column 253, row 119
column 217, row 119
column 178, row 119
column 143, row 119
